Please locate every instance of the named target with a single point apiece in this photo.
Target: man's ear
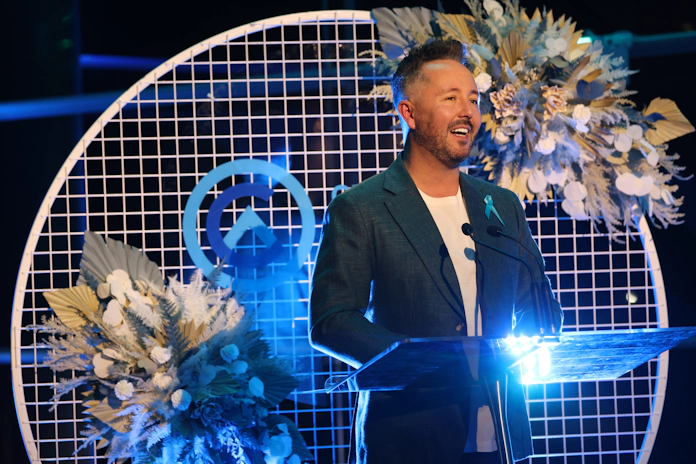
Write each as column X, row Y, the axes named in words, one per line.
column 406, row 110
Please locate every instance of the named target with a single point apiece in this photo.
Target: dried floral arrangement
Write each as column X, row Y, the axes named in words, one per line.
column 557, row 113
column 168, row 373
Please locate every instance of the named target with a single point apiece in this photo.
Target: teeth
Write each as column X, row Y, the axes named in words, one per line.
column 461, row 131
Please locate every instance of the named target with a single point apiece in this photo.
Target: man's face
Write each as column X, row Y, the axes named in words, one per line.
column 445, row 111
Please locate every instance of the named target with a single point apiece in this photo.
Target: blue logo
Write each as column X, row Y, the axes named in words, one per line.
column 224, row 246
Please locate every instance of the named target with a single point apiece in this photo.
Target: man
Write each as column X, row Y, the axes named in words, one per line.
column 394, row 263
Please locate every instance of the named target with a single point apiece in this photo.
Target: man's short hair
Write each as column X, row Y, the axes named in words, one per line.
column 410, row 68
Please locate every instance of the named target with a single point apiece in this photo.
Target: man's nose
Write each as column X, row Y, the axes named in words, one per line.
column 466, row 109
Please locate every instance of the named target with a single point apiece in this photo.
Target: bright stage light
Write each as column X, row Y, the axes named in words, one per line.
column 536, row 365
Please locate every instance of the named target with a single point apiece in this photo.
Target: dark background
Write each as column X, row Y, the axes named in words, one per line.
column 42, row 39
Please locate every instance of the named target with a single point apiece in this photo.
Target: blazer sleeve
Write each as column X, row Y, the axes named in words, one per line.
column 341, row 287
column 525, row 322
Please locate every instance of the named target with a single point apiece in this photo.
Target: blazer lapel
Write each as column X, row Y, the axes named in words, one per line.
column 493, row 269
column 475, row 207
column 413, row 217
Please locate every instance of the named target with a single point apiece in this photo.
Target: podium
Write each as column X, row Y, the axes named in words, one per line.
column 572, row 356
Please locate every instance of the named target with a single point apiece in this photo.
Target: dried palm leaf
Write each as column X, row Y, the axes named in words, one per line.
column 578, row 68
column 454, row 26
column 490, row 123
column 100, row 258
column 512, row 48
column 402, row 28
column 518, row 185
column 74, row 306
column 673, row 125
column 574, row 47
column 591, row 76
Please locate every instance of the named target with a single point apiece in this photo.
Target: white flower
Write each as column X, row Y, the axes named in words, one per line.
column 581, row 116
column 113, row 315
column 630, row 184
column 546, row 145
column 256, row 387
column 161, row 355
column 575, row 191
column 181, row 400
column 623, row 143
column 555, row 177
column 483, row 82
column 537, row 182
column 634, row 131
column 555, row 46
column 494, row 10
column 519, row 67
column 162, row 381
column 509, row 128
column 575, row 209
column 103, row 290
column 280, row 446
column 229, row 352
column 124, row 390
column 120, row 281
column 239, row 367
column 101, row 366
column 501, row 138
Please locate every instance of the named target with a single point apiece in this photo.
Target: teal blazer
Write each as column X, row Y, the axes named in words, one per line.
column 383, row 274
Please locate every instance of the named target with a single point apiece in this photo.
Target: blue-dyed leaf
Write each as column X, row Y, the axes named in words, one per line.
column 590, row 90
column 495, row 69
column 654, row 117
column 483, row 52
column 393, row 51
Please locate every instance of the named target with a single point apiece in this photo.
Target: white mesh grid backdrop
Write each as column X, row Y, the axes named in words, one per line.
column 207, row 140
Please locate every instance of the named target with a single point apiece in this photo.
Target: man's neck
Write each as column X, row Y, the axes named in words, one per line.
column 430, row 175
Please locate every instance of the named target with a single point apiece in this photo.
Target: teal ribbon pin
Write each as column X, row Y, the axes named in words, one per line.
column 489, row 207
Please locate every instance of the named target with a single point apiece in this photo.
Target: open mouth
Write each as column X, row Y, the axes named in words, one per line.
column 461, row 131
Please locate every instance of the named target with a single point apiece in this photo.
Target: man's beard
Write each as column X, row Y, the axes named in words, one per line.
column 437, row 145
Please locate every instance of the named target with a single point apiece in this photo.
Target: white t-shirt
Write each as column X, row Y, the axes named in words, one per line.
column 449, row 214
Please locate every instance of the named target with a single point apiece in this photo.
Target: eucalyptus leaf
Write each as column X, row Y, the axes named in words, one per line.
column 558, row 62
column 298, row 444
column 147, row 364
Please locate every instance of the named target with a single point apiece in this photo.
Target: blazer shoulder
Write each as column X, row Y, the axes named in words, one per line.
column 365, row 190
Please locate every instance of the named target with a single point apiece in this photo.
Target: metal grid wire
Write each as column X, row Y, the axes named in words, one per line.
column 293, row 91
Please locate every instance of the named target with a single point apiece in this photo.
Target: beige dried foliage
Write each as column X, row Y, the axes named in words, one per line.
column 673, row 126
column 74, row 306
